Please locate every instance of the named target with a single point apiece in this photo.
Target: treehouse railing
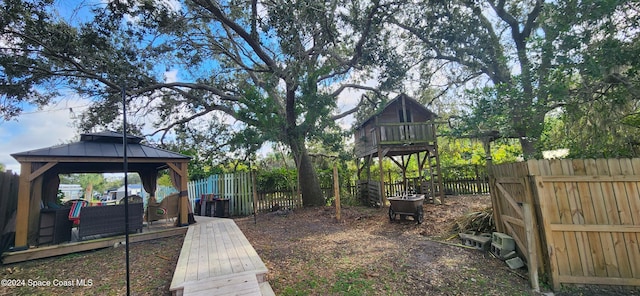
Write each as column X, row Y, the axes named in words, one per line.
column 402, row 133
column 406, row 132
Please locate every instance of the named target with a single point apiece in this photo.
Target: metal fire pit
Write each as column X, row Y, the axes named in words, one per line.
column 407, row 205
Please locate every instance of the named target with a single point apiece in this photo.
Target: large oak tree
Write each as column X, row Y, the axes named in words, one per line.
column 522, row 59
column 248, row 71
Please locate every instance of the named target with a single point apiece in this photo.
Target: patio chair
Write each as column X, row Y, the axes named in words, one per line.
column 163, row 212
column 74, row 212
column 166, row 209
column 132, row 199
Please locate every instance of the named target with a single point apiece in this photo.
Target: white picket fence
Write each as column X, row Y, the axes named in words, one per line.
column 238, row 189
column 235, row 187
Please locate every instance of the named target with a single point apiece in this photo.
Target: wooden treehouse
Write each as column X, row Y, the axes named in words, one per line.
column 404, row 128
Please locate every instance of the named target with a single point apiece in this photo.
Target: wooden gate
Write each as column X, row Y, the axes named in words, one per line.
column 510, row 189
column 589, row 212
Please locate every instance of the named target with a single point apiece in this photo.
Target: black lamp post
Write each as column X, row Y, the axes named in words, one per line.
column 126, row 183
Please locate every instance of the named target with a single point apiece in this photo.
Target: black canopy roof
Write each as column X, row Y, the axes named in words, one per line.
column 101, row 152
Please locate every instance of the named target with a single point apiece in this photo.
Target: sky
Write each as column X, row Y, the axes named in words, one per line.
column 38, row 129
column 53, row 125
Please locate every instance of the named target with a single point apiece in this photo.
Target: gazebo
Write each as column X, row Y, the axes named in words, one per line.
column 95, row 153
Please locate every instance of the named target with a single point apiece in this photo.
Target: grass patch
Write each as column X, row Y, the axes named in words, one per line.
column 352, row 283
column 306, row 286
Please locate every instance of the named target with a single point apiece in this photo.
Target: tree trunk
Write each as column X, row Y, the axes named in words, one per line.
column 308, row 182
column 308, row 179
column 529, row 150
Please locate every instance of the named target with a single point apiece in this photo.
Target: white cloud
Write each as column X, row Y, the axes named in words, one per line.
column 171, row 76
column 38, row 129
column 172, row 5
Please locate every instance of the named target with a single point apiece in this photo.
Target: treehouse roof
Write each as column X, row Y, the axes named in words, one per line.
column 410, row 103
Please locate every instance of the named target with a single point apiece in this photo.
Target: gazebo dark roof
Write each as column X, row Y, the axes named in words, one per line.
column 102, row 145
column 95, row 153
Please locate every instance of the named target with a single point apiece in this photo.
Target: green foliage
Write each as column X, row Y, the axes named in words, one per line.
column 600, row 65
column 306, row 286
column 526, row 60
column 553, row 136
column 98, row 183
column 505, row 151
column 280, row 179
column 59, row 197
column 165, row 180
column 593, row 130
column 248, row 73
column 457, row 152
column 466, row 158
column 632, row 120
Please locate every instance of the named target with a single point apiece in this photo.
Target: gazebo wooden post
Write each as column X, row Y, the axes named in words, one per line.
column 22, row 212
column 184, row 197
column 181, row 170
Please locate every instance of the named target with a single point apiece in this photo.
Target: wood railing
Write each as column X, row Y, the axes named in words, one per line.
column 406, row 132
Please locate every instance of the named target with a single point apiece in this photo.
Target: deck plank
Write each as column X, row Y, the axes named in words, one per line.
column 222, row 256
column 217, row 256
column 214, row 263
column 181, row 269
column 203, row 252
column 233, row 284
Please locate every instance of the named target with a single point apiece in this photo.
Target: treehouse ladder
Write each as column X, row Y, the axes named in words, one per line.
column 436, row 187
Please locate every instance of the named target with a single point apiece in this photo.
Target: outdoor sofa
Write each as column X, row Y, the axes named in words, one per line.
column 100, row 220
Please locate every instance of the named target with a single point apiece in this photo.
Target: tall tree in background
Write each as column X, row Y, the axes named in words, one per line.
column 602, row 60
column 258, row 70
column 521, row 59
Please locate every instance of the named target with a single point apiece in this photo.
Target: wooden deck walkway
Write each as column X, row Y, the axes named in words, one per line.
column 217, row 259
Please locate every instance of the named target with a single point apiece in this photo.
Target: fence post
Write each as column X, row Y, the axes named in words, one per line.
column 336, row 190
column 255, row 197
column 478, row 183
column 532, row 263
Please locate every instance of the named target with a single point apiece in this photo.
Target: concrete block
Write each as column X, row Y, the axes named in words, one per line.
column 501, row 253
column 504, row 241
column 479, row 242
column 509, row 255
column 515, row 263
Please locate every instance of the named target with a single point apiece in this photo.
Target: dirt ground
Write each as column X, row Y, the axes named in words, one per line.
column 98, row 272
column 308, row 252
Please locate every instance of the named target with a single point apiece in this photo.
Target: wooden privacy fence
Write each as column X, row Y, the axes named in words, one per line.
column 586, row 217
column 8, row 204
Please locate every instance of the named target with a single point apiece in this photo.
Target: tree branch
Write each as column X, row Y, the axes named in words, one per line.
column 221, row 94
column 348, row 112
column 531, row 19
column 358, row 49
column 246, row 36
column 342, row 87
